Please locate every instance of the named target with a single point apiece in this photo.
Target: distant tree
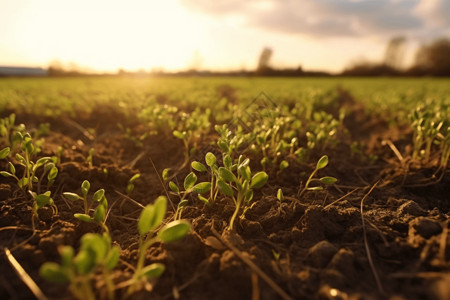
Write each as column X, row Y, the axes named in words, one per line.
column 434, row 58
column 55, row 68
column 264, row 60
column 395, row 52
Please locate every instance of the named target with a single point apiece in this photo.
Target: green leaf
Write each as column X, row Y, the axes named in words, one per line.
column 284, row 164
column 165, row 174
column 223, row 146
column 72, row 196
column 134, row 178
column 178, row 134
column 202, row 187
column 144, row 224
column 322, row 163
column 53, row 173
column 249, row 196
column 203, row 199
column 22, row 182
column 225, row 188
column 280, row 195
column 53, row 272
column 100, row 213
column 4, row 152
column 41, row 161
column 174, row 187
column 210, row 159
column 189, row 181
column 198, row 166
column 20, row 158
column 83, row 217
column 98, row 195
column 112, row 258
column 5, row 174
column 259, row 179
column 85, row 186
column 173, row 231
column 66, row 253
column 130, row 187
column 227, row 162
column 12, row 169
column 152, row 215
column 183, row 203
column 328, row 180
column 315, row 188
column 245, row 172
column 227, row 175
column 152, row 271
column 96, row 245
column 43, row 200
column 85, row 262
column 243, row 163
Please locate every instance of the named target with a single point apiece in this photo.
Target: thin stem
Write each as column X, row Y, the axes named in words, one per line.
column 27, row 170
column 235, row 213
column 109, row 284
column 308, row 182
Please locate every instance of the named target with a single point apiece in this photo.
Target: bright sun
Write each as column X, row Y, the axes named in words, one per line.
column 108, row 35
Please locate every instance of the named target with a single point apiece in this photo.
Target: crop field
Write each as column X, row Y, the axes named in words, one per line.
column 224, row 188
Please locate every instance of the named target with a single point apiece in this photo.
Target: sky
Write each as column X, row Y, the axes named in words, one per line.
column 172, row 35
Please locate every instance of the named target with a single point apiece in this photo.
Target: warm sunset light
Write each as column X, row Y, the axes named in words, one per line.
column 224, row 149
column 220, row 35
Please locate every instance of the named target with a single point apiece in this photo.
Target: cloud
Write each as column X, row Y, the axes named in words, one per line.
column 436, row 13
column 325, row 18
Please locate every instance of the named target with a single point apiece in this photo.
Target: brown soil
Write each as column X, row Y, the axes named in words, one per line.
column 322, row 245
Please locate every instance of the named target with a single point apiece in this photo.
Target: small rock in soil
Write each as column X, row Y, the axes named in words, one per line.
column 344, row 262
column 424, row 227
column 411, row 208
column 321, row 253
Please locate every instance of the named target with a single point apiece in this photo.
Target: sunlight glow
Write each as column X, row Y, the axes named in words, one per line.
column 105, row 35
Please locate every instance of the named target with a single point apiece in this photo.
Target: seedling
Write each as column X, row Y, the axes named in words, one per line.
column 130, row 185
column 137, row 140
column 89, row 157
column 322, row 163
column 30, row 168
column 239, row 186
column 211, row 162
column 280, row 195
column 11, row 134
column 189, row 187
column 96, row 253
column 39, row 201
column 99, row 215
column 191, row 128
column 150, row 219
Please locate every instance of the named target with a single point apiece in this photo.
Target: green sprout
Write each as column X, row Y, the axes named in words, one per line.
column 89, row 157
column 280, row 195
column 39, row 201
column 189, row 186
column 96, row 253
column 100, row 212
column 149, row 221
column 137, row 140
column 130, row 185
column 213, row 172
column 322, row 163
column 239, row 186
column 30, row 168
